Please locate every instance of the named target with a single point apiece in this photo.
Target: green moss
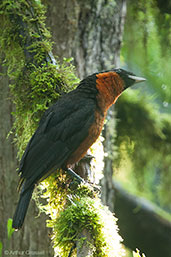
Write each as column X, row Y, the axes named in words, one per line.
column 36, row 82
column 81, row 210
column 34, row 92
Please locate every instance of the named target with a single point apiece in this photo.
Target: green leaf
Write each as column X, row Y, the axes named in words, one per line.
column 1, row 246
column 10, row 230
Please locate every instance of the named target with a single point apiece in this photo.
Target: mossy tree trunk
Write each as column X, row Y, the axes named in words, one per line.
column 91, row 32
column 34, row 235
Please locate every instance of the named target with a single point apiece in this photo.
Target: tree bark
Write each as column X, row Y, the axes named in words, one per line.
column 83, row 247
column 109, row 129
column 89, row 31
column 30, row 237
column 140, row 225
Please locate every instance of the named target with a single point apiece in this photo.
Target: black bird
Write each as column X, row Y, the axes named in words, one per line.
column 67, row 130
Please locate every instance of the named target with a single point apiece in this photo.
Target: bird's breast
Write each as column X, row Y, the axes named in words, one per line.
column 93, row 133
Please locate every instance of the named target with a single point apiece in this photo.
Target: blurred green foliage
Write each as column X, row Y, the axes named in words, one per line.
column 144, row 120
column 146, row 48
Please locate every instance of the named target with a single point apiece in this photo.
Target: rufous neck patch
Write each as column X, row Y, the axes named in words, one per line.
column 110, row 86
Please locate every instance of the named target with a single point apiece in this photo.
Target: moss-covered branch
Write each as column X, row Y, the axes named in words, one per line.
column 74, row 210
column 36, row 82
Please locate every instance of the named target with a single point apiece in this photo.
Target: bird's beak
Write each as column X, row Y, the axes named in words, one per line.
column 137, row 79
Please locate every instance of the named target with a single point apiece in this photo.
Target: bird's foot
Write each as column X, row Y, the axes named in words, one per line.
column 80, row 180
column 75, row 175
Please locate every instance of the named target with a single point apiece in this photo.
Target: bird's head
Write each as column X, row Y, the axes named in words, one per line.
column 128, row 78
column 112, row 83
column 108, row 85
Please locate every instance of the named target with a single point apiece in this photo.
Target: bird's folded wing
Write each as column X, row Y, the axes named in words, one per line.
column 62, row 129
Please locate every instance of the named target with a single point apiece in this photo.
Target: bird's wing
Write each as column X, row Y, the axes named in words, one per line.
column 63, row 127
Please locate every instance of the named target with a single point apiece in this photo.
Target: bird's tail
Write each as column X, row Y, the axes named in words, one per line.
column 22, row 207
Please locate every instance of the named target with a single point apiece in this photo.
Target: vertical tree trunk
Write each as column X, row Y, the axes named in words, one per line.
column 91, row 32
column 34, row 234
column 7, row 156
